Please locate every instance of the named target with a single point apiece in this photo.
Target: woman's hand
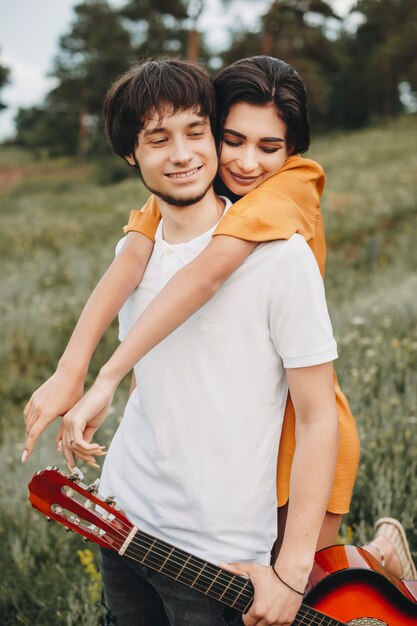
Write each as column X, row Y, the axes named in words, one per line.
column 80, row 424
column 54, row 398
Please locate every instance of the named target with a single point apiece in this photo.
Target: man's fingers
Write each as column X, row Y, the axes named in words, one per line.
column 240, row 569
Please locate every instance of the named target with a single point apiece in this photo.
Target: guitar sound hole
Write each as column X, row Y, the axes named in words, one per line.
column 367, row 621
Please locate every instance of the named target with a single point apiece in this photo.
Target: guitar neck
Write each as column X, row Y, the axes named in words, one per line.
column 210, row 580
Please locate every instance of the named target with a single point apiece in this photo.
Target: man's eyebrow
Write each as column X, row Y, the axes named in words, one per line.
column 229, row 131
column 162, row 129
column 200, row 122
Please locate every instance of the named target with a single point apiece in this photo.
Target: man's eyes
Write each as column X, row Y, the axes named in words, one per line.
column 163, row 140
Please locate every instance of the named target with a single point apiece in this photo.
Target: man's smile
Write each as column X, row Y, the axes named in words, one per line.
column 184, row 174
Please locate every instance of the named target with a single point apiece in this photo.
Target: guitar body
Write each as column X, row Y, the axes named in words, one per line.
column 349, row 584
column 346, row 585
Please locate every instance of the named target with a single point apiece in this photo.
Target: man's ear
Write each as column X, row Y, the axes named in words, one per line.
column 129, row 158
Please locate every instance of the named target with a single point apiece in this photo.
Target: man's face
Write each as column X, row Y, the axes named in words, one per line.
column 177, row 157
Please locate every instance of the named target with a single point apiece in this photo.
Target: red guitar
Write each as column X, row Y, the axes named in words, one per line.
column 346, row 582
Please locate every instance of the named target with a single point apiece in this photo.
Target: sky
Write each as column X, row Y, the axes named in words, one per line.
column 30, row 31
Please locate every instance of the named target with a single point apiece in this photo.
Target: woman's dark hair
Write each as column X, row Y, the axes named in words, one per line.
column 262, row 80
column 155, row 85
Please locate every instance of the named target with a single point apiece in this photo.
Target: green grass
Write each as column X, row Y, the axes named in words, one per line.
column 58, row 235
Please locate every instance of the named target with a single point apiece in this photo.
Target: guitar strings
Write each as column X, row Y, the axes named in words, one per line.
column 315, row 618
column 162, row 549
column 232, row 586
column 245, row 594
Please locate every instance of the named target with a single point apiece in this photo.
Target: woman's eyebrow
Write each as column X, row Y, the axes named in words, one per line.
column 229, row 131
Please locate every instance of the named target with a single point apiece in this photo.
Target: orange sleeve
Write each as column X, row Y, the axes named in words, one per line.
column 146, row 220
column 286, row 203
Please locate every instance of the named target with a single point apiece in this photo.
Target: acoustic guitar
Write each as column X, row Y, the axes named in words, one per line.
column 346, row 586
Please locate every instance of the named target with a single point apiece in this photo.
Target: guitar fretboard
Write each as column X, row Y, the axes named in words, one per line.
column 210, row 580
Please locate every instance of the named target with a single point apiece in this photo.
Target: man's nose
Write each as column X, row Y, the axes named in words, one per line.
column 180, row 152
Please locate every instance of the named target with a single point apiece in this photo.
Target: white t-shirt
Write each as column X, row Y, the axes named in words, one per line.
column 193, row 461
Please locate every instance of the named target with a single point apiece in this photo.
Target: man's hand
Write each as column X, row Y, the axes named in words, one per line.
column 54, row 398
column 274, row 604
column 80, row 424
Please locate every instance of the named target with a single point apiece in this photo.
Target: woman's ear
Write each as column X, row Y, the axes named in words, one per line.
column 129, row 158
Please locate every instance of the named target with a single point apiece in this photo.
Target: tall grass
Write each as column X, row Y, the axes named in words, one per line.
column 58, row 235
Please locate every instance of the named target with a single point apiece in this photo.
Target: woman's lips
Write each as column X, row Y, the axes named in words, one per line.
column 243, row 180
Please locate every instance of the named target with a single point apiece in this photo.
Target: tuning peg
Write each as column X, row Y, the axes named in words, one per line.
column 110, row 500
column 49, row 519
column 93, row 488
column 86, row 540
column 77, row 475
column 68, row 530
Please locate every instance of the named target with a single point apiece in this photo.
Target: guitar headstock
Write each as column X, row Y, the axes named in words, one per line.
column 65, row 499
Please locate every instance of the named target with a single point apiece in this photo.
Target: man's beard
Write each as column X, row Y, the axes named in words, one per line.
column 178, row 202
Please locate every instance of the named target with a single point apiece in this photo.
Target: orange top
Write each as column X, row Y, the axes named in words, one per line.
column 286, row 203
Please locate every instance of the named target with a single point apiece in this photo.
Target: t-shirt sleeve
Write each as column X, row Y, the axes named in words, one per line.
column 286, row 203
column 146, row 220
column 300, row 325
column 123, row 330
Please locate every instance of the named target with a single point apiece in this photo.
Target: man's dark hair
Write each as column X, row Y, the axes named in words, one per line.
column 155, row 85
column 262, row 80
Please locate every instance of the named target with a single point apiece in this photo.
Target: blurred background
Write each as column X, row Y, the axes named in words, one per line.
column 64, row 198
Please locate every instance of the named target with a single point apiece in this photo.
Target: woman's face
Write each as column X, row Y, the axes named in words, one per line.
column 253, row 147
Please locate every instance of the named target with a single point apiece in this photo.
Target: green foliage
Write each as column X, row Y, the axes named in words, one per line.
column 4, row 79
column 95, row 51
column 58, row 235
column 377, row 58
column 352, row 77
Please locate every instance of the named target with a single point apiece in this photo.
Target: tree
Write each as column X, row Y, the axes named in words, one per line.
column 4, row 79
column 92, row 54
column 95, row 51
column 295, row 31
column 379, row 56
column 166, row 27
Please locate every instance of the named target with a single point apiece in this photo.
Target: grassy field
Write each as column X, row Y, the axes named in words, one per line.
column 59, row 229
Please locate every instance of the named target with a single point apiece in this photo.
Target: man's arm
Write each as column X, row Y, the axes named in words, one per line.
column 65, row 387
column 312, row 391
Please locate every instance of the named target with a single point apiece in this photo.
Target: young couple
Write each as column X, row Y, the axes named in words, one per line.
column 233, row 300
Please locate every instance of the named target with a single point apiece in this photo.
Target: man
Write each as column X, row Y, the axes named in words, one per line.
column 193, row 461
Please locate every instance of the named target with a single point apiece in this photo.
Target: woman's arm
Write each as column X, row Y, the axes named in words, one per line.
column 65, row 387
column 187, row 291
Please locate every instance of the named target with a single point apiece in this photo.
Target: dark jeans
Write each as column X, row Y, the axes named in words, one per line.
column 135, row 595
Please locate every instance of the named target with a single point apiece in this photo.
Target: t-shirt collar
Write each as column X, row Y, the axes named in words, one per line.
column 193, row 246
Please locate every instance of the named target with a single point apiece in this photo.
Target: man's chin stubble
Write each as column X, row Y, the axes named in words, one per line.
column 178, row 202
